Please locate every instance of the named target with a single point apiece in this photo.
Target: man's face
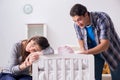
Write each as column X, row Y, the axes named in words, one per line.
column 32, row 46
column 81, row 21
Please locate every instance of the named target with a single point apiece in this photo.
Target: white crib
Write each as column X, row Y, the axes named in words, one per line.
column 63, row 67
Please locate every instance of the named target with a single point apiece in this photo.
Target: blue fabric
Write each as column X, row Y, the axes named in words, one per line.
column 90, row 37
column 24, row 77
column 99, row 63
column 7, row 76
column 116, row 73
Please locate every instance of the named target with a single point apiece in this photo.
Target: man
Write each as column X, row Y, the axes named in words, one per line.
column 96, row 35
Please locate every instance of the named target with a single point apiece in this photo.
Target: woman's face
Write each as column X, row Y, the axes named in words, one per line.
column 32, row 46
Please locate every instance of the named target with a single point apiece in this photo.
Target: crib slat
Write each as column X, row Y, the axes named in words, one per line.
column 55, row 69
column 63, row 69
column 46, row 69
column 80, row 69
column 35, row 71
column 71, row 70
column 91, row 75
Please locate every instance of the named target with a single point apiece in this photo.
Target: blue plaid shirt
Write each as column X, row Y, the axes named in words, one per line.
column 103, row 29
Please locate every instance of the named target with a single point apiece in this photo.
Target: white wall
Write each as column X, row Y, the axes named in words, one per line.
column 54, row 13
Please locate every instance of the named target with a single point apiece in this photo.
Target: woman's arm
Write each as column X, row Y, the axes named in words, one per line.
column 15, row 60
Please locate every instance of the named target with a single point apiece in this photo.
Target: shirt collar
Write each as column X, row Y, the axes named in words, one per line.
column 91, row 20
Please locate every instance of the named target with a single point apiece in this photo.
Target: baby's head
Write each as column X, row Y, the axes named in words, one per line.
column 65, row 49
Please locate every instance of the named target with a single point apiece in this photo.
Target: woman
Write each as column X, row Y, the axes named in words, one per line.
column 24, row 53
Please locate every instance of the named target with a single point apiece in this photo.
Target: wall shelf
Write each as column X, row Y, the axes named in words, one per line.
column 36, row 29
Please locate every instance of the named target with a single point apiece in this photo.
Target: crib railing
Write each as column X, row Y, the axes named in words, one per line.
column 63, row 58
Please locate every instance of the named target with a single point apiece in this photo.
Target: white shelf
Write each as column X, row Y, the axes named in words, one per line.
column 36, row 29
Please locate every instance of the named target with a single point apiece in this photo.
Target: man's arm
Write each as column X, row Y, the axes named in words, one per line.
column 104, row 44
column 81, row 44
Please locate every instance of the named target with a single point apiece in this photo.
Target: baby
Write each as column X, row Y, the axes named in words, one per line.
column 68, row 50
column 65, row 49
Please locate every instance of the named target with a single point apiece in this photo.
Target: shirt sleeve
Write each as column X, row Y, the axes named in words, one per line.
column 78, row 32
column 14, row 58
column 14, row 61
column 104, row 27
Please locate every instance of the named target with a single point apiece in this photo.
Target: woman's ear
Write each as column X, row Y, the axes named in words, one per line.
column 86, row 14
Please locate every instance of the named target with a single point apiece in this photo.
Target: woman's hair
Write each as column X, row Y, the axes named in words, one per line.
column 24, row 54
column 78, row 9
column 41, row 41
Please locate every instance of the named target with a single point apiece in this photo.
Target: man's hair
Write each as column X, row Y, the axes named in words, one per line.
column 78, row 10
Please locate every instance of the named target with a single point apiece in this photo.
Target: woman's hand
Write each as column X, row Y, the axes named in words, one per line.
column 30, row 59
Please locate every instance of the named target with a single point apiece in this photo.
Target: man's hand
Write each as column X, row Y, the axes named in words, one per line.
column 82, row 52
